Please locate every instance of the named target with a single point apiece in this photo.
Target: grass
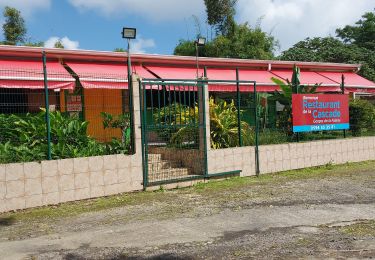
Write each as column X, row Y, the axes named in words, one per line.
column 313, row 172
column 366, row 228
column 138, row 198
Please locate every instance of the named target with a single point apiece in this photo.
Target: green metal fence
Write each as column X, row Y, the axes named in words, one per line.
column 39, row 123
column 173, row 130
column 173, row 126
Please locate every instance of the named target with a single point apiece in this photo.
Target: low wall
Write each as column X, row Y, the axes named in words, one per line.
column 189, row 158
column 283, row 157
column 275, row 158
column 26, row 185
column 232, row 159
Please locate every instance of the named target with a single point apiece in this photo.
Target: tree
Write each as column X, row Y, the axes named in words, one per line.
column 319, row 50
column 356, row 44
column 59, row 45
column 14, row 26
column 119, row 50
column 362, row 34
column 232, row 40
column 330, row 49
column 220, row 15
column 34, row 44
column 245, row 43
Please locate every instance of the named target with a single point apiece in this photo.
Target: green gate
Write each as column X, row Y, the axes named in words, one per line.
column 173, row 131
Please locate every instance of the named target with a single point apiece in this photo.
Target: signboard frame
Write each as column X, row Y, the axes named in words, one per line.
column 320, row 112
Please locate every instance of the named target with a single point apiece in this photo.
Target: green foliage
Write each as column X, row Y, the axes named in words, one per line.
column 357, row 45
column 23, row 138
column 362, row 117
column 121, row 122
column 245, row 43
column 284, row 97
column 187, row 48
column 119, row 50
column 172, row 117
column 270, row 136
column 220, row 15
column 182, row 125
column 14, row 26
column 362, row 34
column 34, row 44
column 59, row 45
column 224, row 125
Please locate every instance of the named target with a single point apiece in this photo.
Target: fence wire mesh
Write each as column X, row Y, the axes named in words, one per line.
column 274, row 123
column 173, row 131
column 84, row 121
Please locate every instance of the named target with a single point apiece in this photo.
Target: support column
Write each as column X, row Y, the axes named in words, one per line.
column 204, row 123
column 136, row 110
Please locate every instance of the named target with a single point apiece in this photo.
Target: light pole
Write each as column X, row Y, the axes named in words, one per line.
column 130, row 33
column 201, row 41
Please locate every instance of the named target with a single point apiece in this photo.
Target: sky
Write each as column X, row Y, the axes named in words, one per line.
column 97, row 24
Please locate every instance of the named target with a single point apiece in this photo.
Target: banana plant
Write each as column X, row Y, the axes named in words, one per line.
column 284, row 96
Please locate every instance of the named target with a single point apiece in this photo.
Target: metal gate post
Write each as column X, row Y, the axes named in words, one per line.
column 343, row 92
column 238, row 108
column 142, row 110
column 256, row 131
column 46, row 95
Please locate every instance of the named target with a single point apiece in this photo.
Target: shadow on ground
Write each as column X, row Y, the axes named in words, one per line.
column 7, row 221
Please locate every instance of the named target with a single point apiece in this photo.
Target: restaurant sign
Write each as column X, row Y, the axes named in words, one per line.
column 320, row 112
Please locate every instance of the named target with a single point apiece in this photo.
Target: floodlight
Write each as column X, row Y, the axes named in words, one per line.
column 129, row 33
column 201, row 41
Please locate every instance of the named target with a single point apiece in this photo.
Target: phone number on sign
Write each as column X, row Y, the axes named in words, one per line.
column 322, row 127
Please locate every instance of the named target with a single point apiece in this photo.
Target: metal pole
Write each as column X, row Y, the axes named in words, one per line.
column 205, row 84
column 48, row 123
column 196, row 58
column 292, row 116
column 131, row 108
column 238, row 108
column 256, row 131
column 143, row 114
column 343, row 92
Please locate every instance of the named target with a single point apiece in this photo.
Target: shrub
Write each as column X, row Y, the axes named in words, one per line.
column 223, row 124
column 23, row 138
column 362, row 117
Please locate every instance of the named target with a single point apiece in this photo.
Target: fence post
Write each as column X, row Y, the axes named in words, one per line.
column 238, row 108
column 204, row 119
column 131, row 107
column 343, row 92
column 256, row 131
column 48, row 123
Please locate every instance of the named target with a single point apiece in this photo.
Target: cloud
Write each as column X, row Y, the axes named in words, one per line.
column 291, row 21
column 27, row 7
column 68, row 44
column 140, row 45
column 156, row 10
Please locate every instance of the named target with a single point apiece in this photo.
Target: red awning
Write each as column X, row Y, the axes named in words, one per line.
column 187, row 73
column 351, row 80
column 262, row 78
column 311, row 78
column 105, row 75
column 29, row 74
